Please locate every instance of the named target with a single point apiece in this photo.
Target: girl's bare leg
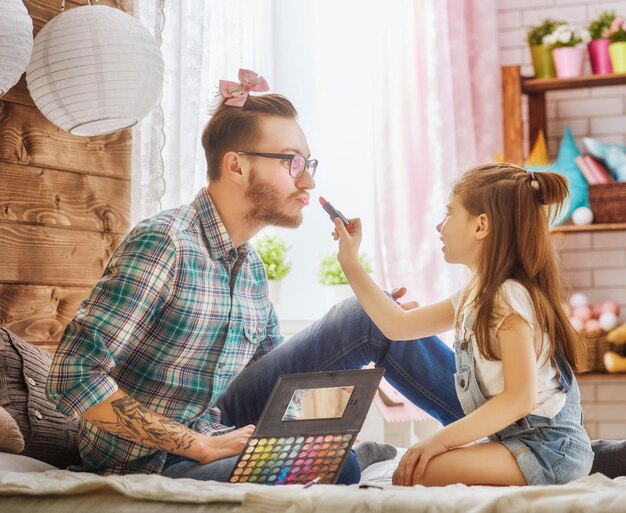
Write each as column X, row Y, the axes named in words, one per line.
column 482, row 464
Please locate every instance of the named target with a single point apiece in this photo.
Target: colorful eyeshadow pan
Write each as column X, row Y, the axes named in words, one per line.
column 309, row 463
column 285, row 451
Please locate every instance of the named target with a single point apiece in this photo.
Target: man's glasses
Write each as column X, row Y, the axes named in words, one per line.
column 297, row 163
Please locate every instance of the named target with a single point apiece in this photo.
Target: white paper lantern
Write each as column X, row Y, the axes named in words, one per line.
column 16, row 42
column 95, row 70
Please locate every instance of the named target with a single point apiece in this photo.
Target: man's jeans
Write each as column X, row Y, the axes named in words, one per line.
column 345, row 338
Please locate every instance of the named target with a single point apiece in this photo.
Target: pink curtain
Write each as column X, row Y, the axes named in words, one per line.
column 438, row 112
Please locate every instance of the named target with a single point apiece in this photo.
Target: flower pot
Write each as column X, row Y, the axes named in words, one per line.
column 569, row 61
column 274, row 291
column 542, row 61
column 599, row 57
column 617, row 51
column 337, row 293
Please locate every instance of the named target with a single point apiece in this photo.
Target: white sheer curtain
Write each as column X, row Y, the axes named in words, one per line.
column 202, row 42
column 437, row 112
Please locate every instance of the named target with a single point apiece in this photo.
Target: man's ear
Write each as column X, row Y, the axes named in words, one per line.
column 482, row 227
column 231, row 167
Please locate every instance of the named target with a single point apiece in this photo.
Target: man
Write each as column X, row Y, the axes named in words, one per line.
column 182, row 308
column 178, row 342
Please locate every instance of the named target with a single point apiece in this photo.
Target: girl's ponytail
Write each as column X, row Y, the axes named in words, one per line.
column 549, row 189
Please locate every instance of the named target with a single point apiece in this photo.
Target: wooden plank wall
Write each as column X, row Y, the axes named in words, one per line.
column 64, row 207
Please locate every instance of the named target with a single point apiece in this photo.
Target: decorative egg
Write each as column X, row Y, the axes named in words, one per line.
column 578, row 299
column 610, row 306
column 607, row 321
column 577, row 324
column 592, row 327
column 596, row 311
column 582, row 312
column 582, row 216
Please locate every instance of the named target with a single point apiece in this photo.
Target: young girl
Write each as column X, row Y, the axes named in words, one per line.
column 514, row 347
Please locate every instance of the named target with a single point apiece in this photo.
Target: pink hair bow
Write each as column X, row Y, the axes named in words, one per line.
column 237, row 93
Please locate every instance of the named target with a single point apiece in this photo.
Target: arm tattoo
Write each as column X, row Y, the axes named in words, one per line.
column 138, row 424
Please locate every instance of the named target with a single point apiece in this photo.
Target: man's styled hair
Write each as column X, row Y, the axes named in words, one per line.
column 236, row 128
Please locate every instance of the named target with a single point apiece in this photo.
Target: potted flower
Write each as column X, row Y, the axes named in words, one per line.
column 331, row 275
column 599, row 44
column 568, row 49
column 273, row 252
column 541, row 54
column 617, row 47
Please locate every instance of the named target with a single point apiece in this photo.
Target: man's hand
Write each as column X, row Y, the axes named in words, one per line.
column 212, row 448
column 398, row 293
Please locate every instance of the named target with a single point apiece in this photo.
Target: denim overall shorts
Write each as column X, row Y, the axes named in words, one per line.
column 548, row 450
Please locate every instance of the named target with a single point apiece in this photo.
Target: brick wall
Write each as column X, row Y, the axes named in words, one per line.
column 599, row 112
column 604, row 405
column 596, row 265
column 595, row 262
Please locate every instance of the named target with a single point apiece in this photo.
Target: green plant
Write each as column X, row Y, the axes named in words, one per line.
column 536, row 33
column 331, row 273
column 597, row 28
column 273, row 250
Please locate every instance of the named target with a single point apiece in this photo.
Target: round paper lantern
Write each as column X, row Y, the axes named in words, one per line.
column 95, row 70
column 16, row 42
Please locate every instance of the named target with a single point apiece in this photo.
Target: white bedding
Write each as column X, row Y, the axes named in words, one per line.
column 56, row 491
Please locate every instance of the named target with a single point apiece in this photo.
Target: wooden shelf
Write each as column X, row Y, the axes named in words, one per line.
column 572, row 228
column 532, row 85
column 600, row 376
column 514, row 86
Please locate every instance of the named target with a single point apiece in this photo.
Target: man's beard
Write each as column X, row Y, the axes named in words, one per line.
column 267, row 205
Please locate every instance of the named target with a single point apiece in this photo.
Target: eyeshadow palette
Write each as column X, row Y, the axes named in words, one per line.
column 291, row 445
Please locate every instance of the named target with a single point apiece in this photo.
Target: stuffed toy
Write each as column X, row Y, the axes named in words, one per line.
column 618, row 335
column 613, row 361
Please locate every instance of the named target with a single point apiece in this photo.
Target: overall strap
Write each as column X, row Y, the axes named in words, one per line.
column 566, row 374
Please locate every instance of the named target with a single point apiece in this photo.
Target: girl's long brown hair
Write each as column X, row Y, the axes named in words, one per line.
column 519, row 247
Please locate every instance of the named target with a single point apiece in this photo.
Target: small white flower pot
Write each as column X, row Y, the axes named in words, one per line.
column 274, row 291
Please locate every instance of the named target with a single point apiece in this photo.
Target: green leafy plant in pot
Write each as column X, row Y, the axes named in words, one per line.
column 617, row 47
column 540, row 53
column 599, row 45
column 332, row 276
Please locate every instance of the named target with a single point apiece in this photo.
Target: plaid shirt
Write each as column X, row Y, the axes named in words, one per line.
column 177, row 314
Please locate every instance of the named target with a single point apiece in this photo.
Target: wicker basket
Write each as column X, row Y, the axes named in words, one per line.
column 596, row 346
column 608, row 202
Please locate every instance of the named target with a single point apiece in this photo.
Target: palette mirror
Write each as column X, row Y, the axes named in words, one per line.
column 318, row 403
